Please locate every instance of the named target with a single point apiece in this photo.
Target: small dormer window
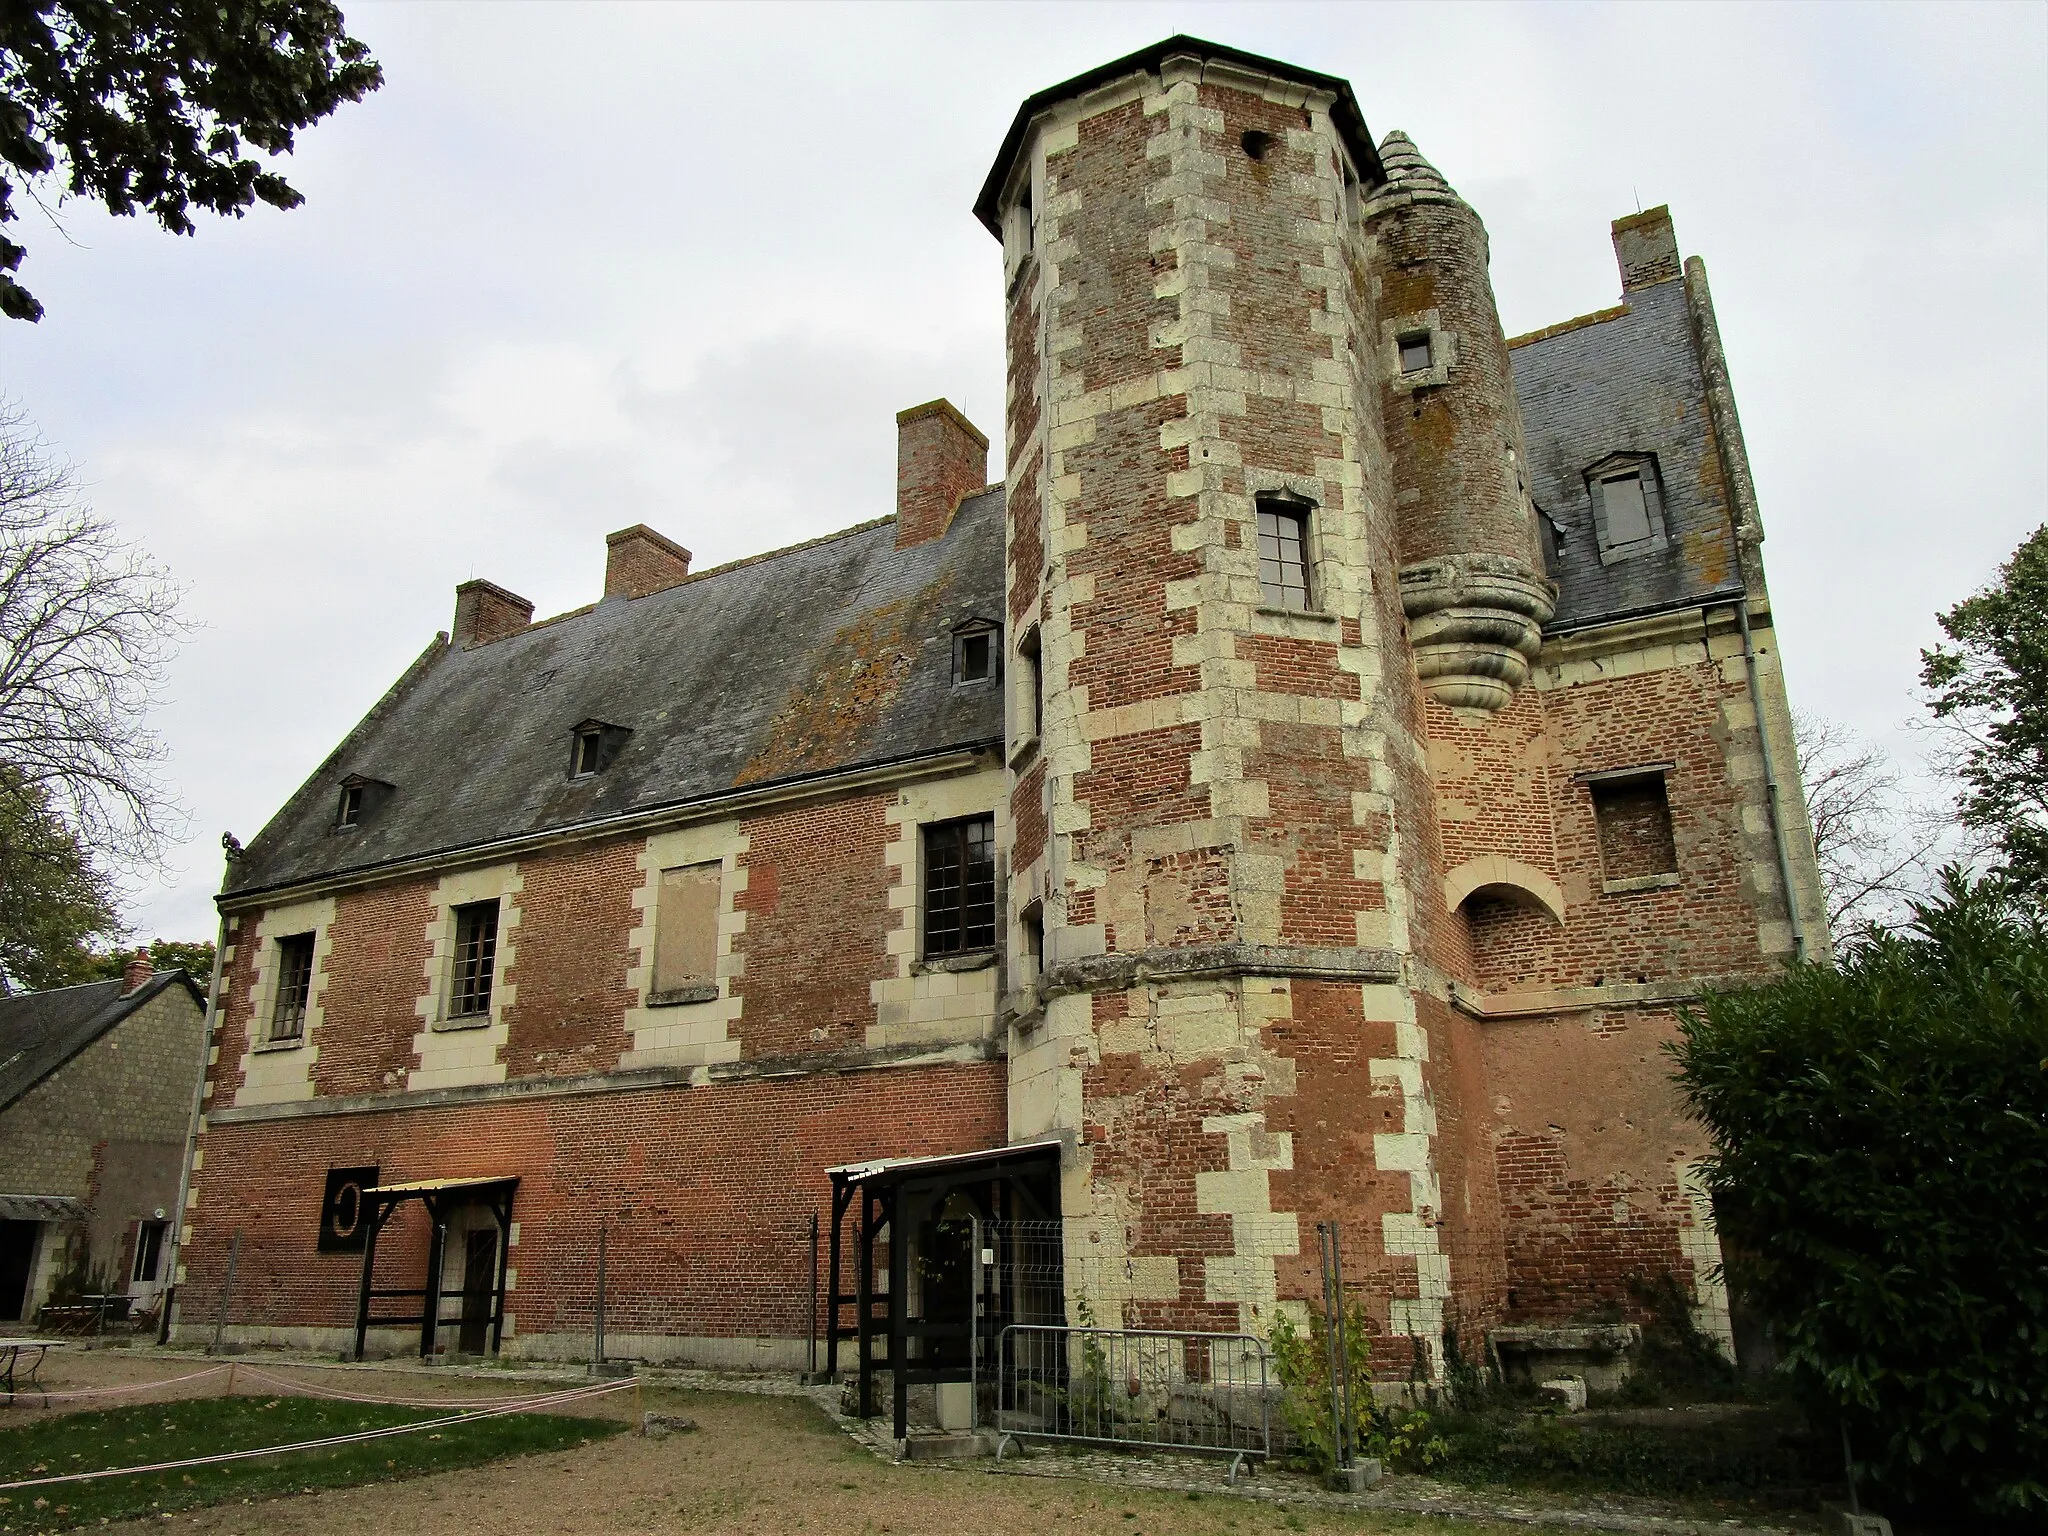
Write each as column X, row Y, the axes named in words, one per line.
column 1417, row 356
column 1627, row 505
column 974, row 653
column 593, row 747
column 360, row 797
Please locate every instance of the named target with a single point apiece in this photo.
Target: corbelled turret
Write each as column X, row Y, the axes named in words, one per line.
column 1471, row 580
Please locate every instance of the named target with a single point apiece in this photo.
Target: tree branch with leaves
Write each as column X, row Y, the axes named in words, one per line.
column 1988, row 691
column 149, row 105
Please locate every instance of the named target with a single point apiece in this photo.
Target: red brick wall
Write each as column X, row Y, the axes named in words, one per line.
column 704, row 1191
column 817, row 918
column 1589, row 1139
column 376, row 973
column 575, row 912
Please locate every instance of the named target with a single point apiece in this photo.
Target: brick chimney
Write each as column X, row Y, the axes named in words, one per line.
column 136, row 973
column 638, row 562
column 940, row 458
column 484, row 612
column 1646, row 247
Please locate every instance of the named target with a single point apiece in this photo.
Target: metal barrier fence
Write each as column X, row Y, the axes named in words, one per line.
column 1135, row 1388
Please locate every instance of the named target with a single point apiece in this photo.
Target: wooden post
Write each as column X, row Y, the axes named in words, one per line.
column 227, row 1290
column 597, row 1312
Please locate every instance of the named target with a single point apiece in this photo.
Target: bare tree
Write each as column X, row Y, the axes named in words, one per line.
column 1876, row 848
column 87, row 622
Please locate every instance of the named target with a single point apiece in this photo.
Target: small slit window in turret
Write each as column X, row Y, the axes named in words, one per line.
column 1417, row 356
column 1283, row 556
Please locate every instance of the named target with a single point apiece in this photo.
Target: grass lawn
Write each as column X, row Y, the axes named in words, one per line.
column 158, row 1432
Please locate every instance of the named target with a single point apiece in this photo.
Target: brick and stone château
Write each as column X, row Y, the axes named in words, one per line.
column 1303, row 790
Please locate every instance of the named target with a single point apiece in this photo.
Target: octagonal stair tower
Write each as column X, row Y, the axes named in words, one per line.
column 1221, row 817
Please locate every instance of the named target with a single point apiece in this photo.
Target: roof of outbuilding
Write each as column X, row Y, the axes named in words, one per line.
column 825, row 658
column 40, row 1031
column 1626, row 380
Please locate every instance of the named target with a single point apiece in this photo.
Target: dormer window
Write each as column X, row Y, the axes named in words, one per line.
column 360, row 797
column 1628, row 509
column 593, row 746
column 975, row 652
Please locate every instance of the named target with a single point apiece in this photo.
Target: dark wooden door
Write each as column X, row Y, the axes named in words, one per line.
column 479, row 1289
column 17, row 1253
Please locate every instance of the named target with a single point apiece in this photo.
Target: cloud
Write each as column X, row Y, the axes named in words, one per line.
column 682, row 265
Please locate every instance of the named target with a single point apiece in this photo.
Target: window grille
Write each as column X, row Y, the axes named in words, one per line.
column 476, row 957
column 1283, row 557
column 294, row 987
column 960, row 886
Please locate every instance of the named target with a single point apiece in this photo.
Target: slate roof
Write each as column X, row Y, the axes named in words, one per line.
column 40, row 1031
column 1626, row 380
column 827, row 657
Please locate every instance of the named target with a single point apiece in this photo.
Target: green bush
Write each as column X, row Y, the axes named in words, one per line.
column 1403, row 1438
column 1881, row 1169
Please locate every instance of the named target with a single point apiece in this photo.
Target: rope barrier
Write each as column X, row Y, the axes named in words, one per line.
column 129, row 1390
column 358, row 1437
column 308, row 1389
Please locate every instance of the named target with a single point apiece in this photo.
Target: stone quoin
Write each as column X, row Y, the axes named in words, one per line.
column 1303, row 790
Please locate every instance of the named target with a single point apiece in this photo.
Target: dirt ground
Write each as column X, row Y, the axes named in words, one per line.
column 761, row 1464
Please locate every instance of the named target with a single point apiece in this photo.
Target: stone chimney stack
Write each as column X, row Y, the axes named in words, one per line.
column 638, row 562
column 136, row 973
column 485, row 612
column 941, row 457
column 1646, row 249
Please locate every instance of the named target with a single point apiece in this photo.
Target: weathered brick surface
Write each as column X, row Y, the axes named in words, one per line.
column 705, row 1193
column 817, row 913
column 376, row 969
column 575, row 913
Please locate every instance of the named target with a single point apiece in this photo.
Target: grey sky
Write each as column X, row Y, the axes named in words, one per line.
column 577, row 267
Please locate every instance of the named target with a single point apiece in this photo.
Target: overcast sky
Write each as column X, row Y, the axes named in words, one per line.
column 581, row 266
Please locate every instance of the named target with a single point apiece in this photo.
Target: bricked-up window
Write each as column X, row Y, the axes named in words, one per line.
column 476, row 958
column 960, row 886
column 1416, row 353
column 1283, row 556
column 686, row 930
column 294, row 986
column 1634, row 816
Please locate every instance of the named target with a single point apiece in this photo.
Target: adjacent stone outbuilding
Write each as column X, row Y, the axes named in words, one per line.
column 96, row 1093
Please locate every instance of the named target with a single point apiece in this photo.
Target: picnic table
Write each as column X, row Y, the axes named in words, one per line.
column 23, row 1358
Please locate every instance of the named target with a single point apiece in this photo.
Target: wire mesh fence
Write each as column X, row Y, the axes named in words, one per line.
column 1133, row 1388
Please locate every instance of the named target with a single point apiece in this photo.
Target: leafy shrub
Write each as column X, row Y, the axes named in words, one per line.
column 1881, row 1168
column 1403, row 1438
